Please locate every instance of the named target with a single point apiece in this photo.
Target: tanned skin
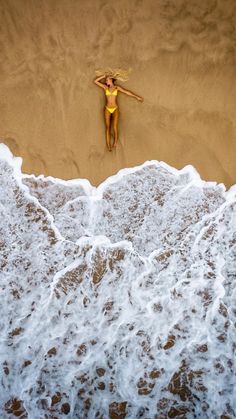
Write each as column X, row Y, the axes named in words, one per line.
column 111, row 102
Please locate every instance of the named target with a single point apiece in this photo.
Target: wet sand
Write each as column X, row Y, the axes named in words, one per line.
column 183, row 59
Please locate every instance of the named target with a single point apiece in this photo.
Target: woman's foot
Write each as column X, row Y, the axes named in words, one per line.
column 109, row 147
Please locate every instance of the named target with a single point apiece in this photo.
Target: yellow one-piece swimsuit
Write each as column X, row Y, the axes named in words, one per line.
column 114, row 93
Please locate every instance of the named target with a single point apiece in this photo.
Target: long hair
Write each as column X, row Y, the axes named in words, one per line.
column 115, row 73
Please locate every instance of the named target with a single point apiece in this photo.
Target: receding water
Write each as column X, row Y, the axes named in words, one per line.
column 117, row 301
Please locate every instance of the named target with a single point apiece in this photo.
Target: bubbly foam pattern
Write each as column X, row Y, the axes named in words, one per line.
column 117, row 301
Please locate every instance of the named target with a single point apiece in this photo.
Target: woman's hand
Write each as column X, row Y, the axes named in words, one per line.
column 140, row 98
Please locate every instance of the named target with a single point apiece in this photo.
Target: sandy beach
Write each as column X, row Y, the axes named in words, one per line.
column 182, row 56
column 118, row 286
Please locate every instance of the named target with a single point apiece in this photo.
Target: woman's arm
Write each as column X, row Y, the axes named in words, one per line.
column 129, row 93
column 97, row 82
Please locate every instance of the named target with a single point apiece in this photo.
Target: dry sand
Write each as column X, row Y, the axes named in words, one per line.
column 183, row 56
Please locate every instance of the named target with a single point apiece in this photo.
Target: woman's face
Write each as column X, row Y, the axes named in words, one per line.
column 109, row 81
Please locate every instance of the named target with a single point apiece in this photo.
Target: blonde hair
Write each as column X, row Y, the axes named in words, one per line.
column 117, row 73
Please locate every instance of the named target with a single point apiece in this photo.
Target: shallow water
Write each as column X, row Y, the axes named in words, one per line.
column 117, row 301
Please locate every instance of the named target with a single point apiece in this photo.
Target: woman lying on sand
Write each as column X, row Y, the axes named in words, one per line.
column 111, row 108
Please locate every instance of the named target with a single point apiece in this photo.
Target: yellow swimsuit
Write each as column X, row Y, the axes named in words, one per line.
column 114, row 93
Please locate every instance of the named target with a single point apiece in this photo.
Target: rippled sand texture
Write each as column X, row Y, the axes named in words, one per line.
column 117, row 301
column 183, row 58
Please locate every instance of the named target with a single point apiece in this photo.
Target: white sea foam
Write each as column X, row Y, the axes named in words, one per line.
column 118, row 299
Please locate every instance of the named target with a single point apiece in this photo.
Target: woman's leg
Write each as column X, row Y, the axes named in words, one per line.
column 115, row 125
column 108, row 124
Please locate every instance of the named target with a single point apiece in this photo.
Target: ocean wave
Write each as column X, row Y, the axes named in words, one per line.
column 117, row 300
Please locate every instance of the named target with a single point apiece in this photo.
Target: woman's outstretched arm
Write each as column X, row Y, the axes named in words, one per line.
column 129, row 93
column 98, row 83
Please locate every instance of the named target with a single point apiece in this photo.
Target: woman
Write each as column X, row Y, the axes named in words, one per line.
column 111, row 109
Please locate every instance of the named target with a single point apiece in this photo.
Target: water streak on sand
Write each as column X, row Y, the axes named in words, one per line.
column 117, row 300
